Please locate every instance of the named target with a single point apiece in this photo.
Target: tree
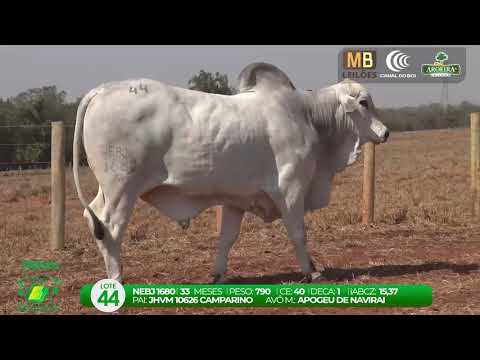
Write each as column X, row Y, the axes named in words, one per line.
column 7, row 111
column 38, row 106
column 207, row 82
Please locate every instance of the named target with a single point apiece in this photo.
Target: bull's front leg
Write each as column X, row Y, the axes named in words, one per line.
column 231, row 222
column 295, row 224
column 290, row 200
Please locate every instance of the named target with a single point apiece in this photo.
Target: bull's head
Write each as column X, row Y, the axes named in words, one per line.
column 358, row 106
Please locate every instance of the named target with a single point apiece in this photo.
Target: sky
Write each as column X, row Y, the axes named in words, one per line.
column 79, row 68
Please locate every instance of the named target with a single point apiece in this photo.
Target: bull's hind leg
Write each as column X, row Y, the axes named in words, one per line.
column 115, row 218
column 113, row 210
column 231, row 222
column 97, row 206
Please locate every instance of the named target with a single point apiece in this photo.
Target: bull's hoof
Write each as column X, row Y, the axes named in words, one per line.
column 307, row 278
column 116, row 278
column 184, row 224
column 218, row 279
column 316, row 275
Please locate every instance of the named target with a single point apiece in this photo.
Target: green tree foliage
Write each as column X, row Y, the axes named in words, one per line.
column 210, row 83
column 33, row 107
column 7, row 113
column 426, row 117
column 41, row 106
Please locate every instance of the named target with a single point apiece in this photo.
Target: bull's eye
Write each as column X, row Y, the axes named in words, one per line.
column 364, row 103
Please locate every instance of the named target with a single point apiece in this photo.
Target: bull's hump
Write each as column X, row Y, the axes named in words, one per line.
column 263, row 75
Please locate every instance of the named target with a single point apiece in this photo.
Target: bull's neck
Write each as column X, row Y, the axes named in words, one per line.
column 322, row 106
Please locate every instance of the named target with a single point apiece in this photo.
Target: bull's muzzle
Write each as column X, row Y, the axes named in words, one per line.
column 385, row 136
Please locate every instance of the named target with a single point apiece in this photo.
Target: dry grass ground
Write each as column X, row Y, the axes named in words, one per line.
column 423, row 234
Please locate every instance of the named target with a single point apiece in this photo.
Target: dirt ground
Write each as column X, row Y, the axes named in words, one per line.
column 423, row 234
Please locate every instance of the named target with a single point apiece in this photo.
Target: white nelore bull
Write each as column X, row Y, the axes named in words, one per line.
column 271, row 150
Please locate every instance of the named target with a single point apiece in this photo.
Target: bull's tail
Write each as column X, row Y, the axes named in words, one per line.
column 98, row 230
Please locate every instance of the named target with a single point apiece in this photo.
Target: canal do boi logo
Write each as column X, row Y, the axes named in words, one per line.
column 397, row 61
column 439, row 68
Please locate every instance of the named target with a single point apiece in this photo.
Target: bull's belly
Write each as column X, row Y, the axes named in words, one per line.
column 196, row 177
column 181, row 205
column 204, row 185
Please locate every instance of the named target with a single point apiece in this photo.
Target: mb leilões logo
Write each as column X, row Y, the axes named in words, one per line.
column 440, row 68
column 38, row 287
column 359, row 64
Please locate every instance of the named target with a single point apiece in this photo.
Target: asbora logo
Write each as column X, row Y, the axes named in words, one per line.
column 397, row 61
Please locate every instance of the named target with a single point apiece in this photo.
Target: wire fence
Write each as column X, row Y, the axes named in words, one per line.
column 27, row 126
column 23, row 154
column 58, row 177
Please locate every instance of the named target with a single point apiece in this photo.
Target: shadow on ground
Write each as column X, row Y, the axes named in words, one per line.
column 336, row 274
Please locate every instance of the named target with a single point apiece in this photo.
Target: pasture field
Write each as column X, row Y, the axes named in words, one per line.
column 423, row 234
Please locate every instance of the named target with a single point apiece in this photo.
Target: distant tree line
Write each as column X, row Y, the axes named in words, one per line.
column 425, row 117
column 41, row 106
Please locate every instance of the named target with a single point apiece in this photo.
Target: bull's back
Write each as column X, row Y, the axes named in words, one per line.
column 200, row 142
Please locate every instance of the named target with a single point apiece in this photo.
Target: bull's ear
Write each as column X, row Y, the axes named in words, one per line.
column 349, row 103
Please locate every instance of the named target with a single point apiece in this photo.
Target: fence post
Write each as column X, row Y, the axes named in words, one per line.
column 368, row 183
column 474, row 161
column 58, row 186
column 219, row 214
